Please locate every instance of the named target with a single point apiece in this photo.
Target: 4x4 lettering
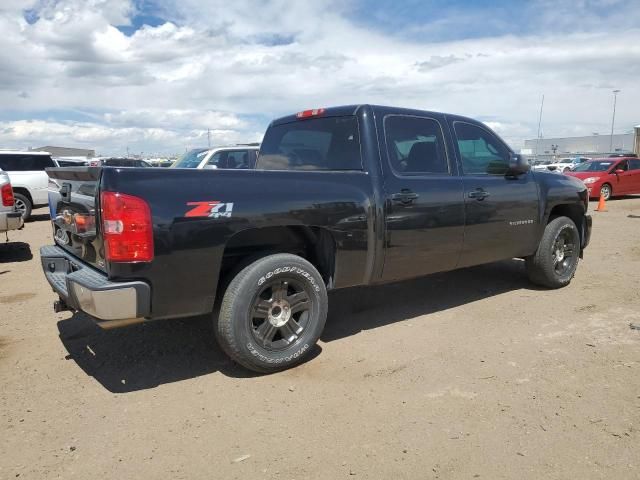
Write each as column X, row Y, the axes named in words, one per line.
column 222, row 210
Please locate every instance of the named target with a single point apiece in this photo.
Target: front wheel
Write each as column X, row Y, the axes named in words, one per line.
column 605, row 191
column 272, row 313
column 554, row 263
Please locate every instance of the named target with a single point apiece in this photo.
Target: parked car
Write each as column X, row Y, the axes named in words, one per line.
column 542, row 166
column 231, row 157
column 567, row 164
column 560, row 166
column 10, row 219
column 610, row 176
column 28, row 178
column 119, row 162
column 342, row 196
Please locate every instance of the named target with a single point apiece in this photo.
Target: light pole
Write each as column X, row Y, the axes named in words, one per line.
column 539, row 125
column 613, row 119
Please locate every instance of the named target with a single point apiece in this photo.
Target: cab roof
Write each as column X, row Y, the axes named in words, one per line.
column 346, row 110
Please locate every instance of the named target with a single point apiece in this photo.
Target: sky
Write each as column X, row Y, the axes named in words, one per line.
column 152, row 76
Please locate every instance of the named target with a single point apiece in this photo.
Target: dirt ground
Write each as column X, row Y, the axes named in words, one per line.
column 468, row 374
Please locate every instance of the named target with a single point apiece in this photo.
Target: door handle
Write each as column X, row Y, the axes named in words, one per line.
column 405, row 196
column 479, row 194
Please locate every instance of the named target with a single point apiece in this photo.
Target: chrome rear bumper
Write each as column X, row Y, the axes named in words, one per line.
column 10, row 221
column 81, row 287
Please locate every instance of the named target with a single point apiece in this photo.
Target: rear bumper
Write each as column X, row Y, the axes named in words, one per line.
column 10, row 221
column 80, row 287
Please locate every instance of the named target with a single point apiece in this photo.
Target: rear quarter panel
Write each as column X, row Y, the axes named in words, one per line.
column 34, row 181
column 189, row 249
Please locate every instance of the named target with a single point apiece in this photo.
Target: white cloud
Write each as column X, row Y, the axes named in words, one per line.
column 174, row 118
column 108, row 139
column 221, row 65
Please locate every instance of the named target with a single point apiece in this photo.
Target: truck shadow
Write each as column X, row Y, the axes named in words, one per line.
column 38, row 217
column 356, row 309
column 148, row 355
column 15, row 252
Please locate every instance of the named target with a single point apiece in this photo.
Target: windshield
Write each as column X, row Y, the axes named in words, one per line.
column 593, row 166
column 191, row 159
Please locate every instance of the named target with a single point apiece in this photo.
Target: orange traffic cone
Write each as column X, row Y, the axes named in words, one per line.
column 602, row 205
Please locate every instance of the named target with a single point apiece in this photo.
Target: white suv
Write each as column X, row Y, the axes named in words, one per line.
column 234, row 157
column 9, row 218
column 28, row 178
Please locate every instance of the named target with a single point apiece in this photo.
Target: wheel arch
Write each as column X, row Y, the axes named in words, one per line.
column 23, row 191
column 316, row 244
column 573, row 211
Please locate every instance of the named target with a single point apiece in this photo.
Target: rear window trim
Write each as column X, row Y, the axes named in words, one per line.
column 295, row 121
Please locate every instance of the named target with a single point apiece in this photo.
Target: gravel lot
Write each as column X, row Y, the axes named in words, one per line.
column 469, row 374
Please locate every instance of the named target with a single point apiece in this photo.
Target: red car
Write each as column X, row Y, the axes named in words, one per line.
column 609, row 176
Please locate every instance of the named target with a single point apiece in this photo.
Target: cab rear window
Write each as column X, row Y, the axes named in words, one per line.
column 331, row 143
column 25, row 162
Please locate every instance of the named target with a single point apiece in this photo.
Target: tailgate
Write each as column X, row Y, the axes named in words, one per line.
column 72, row 204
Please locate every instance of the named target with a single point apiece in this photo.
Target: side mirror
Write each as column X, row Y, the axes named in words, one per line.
column 618, row 171
column 518, row 165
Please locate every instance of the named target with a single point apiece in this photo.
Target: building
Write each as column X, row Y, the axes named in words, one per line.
column 590, row 146
column 66, row 151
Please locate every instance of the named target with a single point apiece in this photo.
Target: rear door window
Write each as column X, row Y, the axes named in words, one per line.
column 233, row 159
column 238, row 159
column 331, row 143
column 415, row 146
column 25, row 163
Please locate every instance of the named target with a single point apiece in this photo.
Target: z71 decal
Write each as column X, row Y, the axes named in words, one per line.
column 210, row 209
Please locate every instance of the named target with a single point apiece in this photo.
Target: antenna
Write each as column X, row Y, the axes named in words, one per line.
column 209, row 137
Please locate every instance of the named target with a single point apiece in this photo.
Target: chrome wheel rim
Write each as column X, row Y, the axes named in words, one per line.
column 606, row 191
column 20, row 206
column 280, row 313
column 564, row 251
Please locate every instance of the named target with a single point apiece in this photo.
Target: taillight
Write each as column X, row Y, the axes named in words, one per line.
column 127, row 228
column 7, row 195
column 310, row 113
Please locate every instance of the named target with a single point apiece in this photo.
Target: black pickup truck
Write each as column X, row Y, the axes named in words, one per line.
column 342, row 196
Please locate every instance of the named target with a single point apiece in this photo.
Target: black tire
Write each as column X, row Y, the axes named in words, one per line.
column 23, row 204
column 550, row 267
column 257, row 325
column 606, row 191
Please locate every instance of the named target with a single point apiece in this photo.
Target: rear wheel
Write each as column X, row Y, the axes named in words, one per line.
column 23, row 205
column 554, row 263
column 272, row 313
column 606, row 191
